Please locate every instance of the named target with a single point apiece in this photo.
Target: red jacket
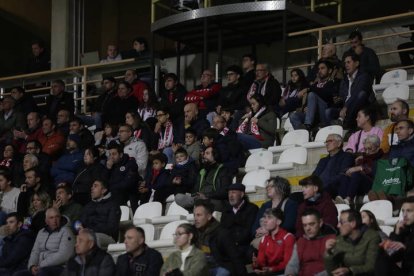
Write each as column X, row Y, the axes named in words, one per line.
column 53, row 145
column 275, row 252
column 200, row 94
column 138, row 88
column 310, row 253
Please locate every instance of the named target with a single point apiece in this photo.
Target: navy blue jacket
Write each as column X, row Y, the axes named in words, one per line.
column 16, row 250
column 403, row 149
column 149, row 263
column 198, row 125
column 340, row 163
column 362, row 82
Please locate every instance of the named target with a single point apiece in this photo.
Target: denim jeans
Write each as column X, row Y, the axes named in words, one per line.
column 315, row 103
column 249, row 141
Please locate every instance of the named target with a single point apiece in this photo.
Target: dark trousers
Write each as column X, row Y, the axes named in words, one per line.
column 406, row 60
column 44, row 271
column 356, row 184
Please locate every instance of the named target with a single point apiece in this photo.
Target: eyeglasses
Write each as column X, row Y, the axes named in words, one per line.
column 160, row 115
column 175, row 235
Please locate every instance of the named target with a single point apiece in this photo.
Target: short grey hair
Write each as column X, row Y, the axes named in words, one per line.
column 90, row 233
column 33, row 158
column 372, row 139
column 336, row 137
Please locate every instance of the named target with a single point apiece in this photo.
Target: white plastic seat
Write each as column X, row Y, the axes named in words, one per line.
column 146, row 212
column 392, row 77
column 396, row 91
column 292, row 139
column 258, row 160
column 288, row 157
column 166, row 236
column 124, row 213
column 387, row 229
column 340, row 208
column 169, row 199
column 175, row 212
column 394, row 220
column 382, row 209
column 321, row 136
column 288, row 125
column 410, row 82
column 256, row 178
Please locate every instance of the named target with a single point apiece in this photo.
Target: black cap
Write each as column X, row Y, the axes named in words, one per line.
column 237, row 187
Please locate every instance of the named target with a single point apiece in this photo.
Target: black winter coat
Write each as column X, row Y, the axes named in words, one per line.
column 16, row 250
column 149, row 263
column 98, row 262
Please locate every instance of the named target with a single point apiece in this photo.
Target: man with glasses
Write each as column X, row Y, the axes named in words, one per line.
column 205, row 94
column 231, row 96
column 355, row 250
column 331, row 169
column 165, row 132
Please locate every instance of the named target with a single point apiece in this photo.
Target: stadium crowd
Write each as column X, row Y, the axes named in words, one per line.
column 62, row 185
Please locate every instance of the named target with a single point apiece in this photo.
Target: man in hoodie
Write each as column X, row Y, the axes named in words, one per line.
column 17, row 246
column 307, row 256
column 102, row 214
column 53, row 247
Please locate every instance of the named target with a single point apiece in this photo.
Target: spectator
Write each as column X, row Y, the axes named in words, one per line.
column 398, row 110
column 189, row 259
column 111, row 55
column 355, row 250
column 147, row 109
column 11, row 160
column 135, row 148
column 278, row 191
column 138, row 86
column 32, row 132
column 275, row 249
column 369, row 59
column 315, row 198
column 329, row 55
column 156, row 178
column 39, row 202
column 249, row 66
column 123, row 176
column 233, row 95
column 216, row 242
column 17, row 245
column 398, row 256
column 124, row 101
column 110, row 134
column 65, row 204
column 307, row 256
column 139, row 258
column 192, row 145
column 29, row 161
column 90, row 170
column 192, row 120
column 165, row 132
column 369, row 219
column 238, row 218
column 35, row 147
column 52, row 249
column 231, row 122
column 139, row 49
column 258, row 127
column 10, row 119
column 40, row 58
column 101, row 104
column 266, row 85
column 354, row 93
column 212, row 182
column 102, row 214
column 204, row 95
column 366, row 120
column 361, row 175
column 331, row 168
column 141, row 129
column 86, row 138
column 89, row 260
column 173, row 96
column 294, row 93
column 405, row 133
column 63, row 118
column 9, row 194
column 24, row 102
column 58, row 99
column 320, row 96
column 64, row 169
column 405, row 58
column 52, row 141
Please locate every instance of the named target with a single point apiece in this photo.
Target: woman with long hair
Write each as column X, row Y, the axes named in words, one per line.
column 39, row 202
column 140, row 128
column 189, row 259
column 292, row 96
column 369, row 219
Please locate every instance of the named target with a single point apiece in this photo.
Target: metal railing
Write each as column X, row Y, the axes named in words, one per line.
column 77, row 79
column 321, row 32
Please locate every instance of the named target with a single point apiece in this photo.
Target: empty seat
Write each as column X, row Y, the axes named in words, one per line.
column 322, row 134
column 175, row 212
column 292, row 139
column 397, row 76
column 289, row 157
column 382, row 209
column 258, row 160
column 166, row 236
column 288, row 125
column 124, row 213
column 396, row 91
column 387, row 229
column 256, row 178
column 146, row 212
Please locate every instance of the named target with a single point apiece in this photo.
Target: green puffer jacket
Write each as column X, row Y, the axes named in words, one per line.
column 195, row 263
column 359, row 256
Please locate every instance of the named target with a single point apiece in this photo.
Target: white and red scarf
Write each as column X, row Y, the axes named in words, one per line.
column 254, row 128
column 166, row 136
column 255, row 86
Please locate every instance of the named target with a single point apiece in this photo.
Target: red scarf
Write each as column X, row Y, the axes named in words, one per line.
column 254, row 128
column 166, row 137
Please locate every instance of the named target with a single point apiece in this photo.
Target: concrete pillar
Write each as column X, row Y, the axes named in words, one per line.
column 60, row 34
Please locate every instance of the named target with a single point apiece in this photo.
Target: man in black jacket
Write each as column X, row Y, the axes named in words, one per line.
column 172, row 96
column 238, row 218
column 17, row 246
column 58, row 99
column 89, row 260
column 216, row 242
column 102, row 215
column 139, row 259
